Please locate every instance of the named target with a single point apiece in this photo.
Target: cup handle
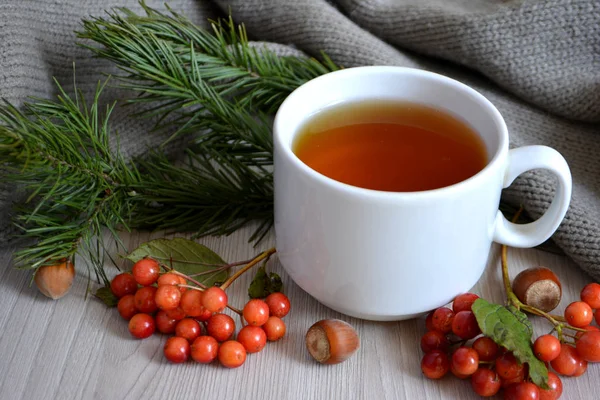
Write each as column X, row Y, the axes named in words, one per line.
column 532, row 234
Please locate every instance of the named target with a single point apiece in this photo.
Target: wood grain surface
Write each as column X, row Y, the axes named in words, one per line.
column 77, row 348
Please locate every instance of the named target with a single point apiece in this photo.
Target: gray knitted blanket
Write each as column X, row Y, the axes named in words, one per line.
column 538, row 61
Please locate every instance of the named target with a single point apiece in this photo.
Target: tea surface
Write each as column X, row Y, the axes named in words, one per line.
column 390, row 146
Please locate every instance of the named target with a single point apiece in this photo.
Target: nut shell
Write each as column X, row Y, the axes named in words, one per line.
column 331, row 341
column 538, row 287
column 54, row 281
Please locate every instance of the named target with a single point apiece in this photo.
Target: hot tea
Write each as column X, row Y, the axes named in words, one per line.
column 390, row 146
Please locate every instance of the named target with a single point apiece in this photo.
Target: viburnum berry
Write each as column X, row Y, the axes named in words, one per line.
column 587, row 328
column 435, row 364
column 177, row 313
column 274, row 329
column 279, row 304
column 167, row 297
column 231, row 354
column 204, row 349
column 256, row 312
column 522, row 391
column 123, row 284
column 581, row 367
column 579, row 314
column 591, row 295
column 508, row 367
column 442, row 319
column 164, row 323
column 588, row 346
column 126, row 306
column 214, row 299
column 463, row 302
column 177, row 349
column 567, row 361
column 141, row 325
column 429, row 321
column 434, row 340
column 546, row 347
column 464, row 325
column 253, row 338
column 188, row 329
column 487, row 349
column 168, row 279
column 485, row 382
column 220, row 326
column 146, row 271
column 464, row 360
column 145, row 299
column 554, row 390
column 191, row 303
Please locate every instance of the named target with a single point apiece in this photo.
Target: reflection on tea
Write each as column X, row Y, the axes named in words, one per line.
column 390, row 146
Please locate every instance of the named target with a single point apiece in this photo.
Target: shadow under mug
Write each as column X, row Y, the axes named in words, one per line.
column 396, row 255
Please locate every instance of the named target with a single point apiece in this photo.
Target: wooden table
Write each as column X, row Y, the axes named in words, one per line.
column 77, row 348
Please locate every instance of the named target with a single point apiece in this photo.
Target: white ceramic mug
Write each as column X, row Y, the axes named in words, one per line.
column 392, row 255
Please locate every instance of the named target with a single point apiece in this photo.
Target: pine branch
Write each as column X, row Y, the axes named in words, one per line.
column 58, row 153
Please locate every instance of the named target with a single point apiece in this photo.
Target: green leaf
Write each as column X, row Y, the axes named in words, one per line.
column 510, row 328
column 106, row 296
column 263, row 285
column 185, row 256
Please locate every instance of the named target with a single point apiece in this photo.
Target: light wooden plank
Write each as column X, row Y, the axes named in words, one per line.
column 76, row 348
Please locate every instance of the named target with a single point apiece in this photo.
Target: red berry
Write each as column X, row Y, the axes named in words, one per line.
column 567, row 361
column 587, row 328
column 126, row 306
column 579, row 314
column 164, row 323
column 554, row 390
column 214, row 299
column 429, row 322
column 177, row 349
column 485, row 382
column 167, row 297
column 177, row 313
column 256, row 312
column 188, row 329
column 145, row 299
column 205, row 349
column 146, row 271
column 435, row 364
column 123, row 284
column 508, row 367
column 591, row 295
column 220, row 326
column 588, row 346
column 173, row 280
column 442, row 319
column 581, row 368
column 231, row 354
column 279, row 304
column 597, row 316
column 274, row 329
column 464, row 325
column 522, row 391
column 141, row 326
column 487, row 349
column 191, row 303
column 463, row 302
column 546, row 347
column 434, row 340
column 465, row 360
column 253, row 338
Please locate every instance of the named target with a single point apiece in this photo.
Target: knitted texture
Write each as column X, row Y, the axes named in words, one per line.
column 537, row 61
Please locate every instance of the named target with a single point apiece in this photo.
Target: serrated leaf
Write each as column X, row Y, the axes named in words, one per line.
column 263, row 285
column 106, row 296
column 510, row 328
column 188, row 257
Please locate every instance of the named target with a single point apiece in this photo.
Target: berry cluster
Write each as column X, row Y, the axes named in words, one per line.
column 453, row 343
column 165, row 302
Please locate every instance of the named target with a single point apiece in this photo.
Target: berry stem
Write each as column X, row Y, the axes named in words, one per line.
column 195, row 282
column 559, row 322
column 262, row 256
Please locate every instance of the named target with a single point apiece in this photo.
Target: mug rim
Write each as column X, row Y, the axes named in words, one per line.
column 280, row 121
